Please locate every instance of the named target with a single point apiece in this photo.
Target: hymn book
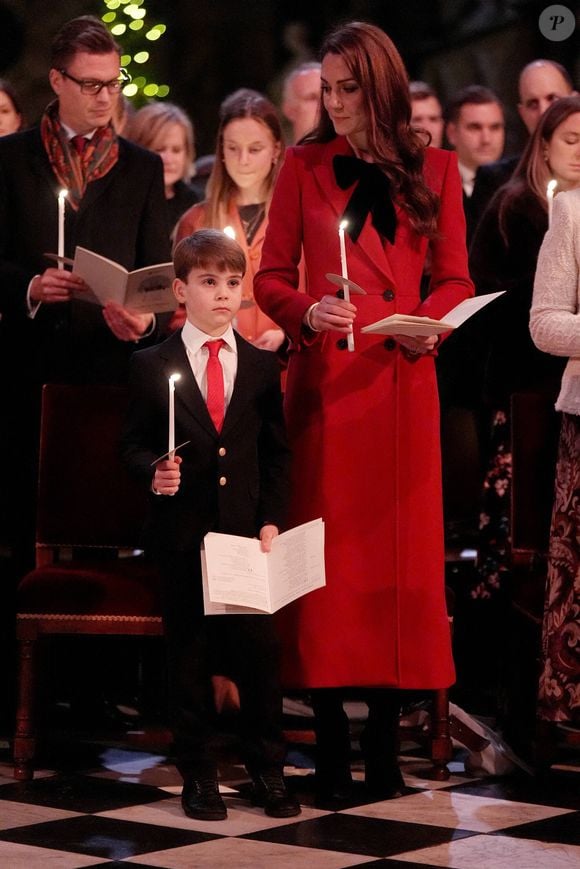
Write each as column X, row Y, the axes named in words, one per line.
column 239, row 578
column 408, row 324
column 147, row 290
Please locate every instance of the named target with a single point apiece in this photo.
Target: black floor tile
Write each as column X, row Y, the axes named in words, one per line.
column 103, row 837
column 304, row 789
column 359, row 835
column 388, row 864
column 78, row 793
column 564, row 829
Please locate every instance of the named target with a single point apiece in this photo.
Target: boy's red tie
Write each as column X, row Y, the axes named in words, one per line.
column 215, row 383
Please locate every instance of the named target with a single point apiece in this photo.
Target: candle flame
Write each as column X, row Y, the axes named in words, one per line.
column 343, row 224
column 174, row 377
column 230, row 232
column 62, row 194
column 552, row 186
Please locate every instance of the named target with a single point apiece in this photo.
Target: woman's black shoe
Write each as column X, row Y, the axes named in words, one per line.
column 333, row 787
column 384, row 783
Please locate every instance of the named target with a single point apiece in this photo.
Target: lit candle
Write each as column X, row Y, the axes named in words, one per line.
column 230, row 232
column 171, row 449
column 550, row 190
column 344, row 271
column 61, row 200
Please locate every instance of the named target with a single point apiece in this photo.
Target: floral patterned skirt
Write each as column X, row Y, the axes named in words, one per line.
column 559, row 691
column 493, row 550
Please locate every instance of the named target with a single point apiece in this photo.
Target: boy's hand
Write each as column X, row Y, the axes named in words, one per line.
column 267, row 534
column 167, row 476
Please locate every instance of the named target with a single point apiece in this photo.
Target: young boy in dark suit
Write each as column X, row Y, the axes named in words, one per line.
column 232, row 477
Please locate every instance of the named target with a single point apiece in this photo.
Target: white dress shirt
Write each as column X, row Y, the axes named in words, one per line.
column 467, row 178
column 194, row 339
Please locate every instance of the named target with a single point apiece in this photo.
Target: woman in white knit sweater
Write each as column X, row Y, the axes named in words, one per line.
column 555, row 328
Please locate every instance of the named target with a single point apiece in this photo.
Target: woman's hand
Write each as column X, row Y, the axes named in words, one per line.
column 331, row 313
column 417, row 345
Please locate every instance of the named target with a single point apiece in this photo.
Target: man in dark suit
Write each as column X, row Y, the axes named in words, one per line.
column 475, row 127
column 539, row 84
column 230, row 477
column 115, row 206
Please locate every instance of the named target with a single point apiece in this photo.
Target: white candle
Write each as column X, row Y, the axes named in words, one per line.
column 171, row 449
column 230, row 232
column 61, row 200
column 344, row 271
column 550, row 190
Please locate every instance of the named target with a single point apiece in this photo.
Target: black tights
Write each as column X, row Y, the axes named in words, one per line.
column 379, row 739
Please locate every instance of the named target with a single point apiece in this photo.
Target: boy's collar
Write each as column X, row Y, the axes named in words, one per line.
column 194, row 338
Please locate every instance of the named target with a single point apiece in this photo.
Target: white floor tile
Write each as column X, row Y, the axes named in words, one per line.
column 14, row 814
column 13, row 856
column 246, row 854
column 242, row 818
column 497, row 852
column 457, row 811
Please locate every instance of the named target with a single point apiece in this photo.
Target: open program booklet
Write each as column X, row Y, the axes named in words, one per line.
column 408, row 324
column 239, row 578
column 147, row 290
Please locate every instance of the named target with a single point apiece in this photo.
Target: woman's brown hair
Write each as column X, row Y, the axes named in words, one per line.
column 243, row 103
column 377, row 67
column 533, row 171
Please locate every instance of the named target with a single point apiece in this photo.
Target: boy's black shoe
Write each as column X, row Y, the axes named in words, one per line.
column 271, row 794
column 201, row 799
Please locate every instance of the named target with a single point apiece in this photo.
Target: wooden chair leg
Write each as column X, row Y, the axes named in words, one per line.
column 441, row 745
column 25, row 736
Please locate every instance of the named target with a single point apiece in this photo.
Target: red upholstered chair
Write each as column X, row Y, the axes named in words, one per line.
column 88, row 508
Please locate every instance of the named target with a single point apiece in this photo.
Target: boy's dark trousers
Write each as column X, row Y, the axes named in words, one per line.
column 245, row 648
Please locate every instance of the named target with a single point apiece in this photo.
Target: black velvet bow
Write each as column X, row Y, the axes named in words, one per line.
column 371, row 194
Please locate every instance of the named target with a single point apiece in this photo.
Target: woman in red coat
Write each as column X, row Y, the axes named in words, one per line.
column 364, row 425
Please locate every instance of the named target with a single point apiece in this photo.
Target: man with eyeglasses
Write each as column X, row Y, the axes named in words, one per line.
column 115, row 206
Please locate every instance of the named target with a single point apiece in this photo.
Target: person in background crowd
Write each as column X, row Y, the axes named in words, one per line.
column 364, row 425
column 503, row 256
column 540, row 83
column 122, row 114
column 426, row 111
column 115, row 207
column 11, row 117
column 167, row 130
column 301, row 98
column 475, row 127
column 248, row 152
column 554, row 329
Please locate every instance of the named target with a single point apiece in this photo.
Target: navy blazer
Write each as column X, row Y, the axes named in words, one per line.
column 233, row 482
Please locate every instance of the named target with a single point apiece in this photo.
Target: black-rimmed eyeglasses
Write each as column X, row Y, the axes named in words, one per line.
column 94, row 86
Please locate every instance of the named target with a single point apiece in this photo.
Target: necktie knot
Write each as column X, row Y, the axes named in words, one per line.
column 79, row 144
column 214, row 347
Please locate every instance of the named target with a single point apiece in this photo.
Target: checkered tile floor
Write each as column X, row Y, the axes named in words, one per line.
column 122, row 808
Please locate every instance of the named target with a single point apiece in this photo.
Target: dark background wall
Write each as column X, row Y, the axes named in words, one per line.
column 214, row 46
